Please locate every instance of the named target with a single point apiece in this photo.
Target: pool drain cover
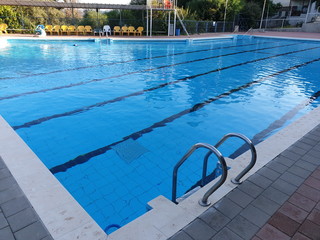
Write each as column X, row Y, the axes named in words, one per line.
column 129, row 150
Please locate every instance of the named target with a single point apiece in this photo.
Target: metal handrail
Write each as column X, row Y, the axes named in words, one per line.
column 235, row 180
column 212, row 149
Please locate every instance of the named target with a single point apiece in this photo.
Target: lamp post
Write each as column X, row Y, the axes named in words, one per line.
column 264, row 6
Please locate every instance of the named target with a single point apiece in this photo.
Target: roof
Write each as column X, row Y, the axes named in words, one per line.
column 69, row 5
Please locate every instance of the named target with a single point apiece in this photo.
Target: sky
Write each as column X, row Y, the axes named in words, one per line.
column 106, row 1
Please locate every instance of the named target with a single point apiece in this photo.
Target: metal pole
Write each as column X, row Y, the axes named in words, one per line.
column 169, row 23
column 225, row 16
column 175, row 22
column 267, row 15
column 264, row 6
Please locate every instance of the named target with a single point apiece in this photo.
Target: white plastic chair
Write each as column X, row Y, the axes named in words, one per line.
column 106, row 30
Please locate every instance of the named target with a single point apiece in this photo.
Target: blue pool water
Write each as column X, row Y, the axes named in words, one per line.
column 110, row 120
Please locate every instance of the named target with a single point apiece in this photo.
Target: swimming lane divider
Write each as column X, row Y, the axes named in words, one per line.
column 131, row 73
column 87, row 156
column 128, row 61
column 100, row 104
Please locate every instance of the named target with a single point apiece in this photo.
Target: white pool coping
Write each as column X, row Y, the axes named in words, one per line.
column 65, row 219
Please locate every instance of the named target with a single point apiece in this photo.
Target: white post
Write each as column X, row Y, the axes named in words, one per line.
column 264, row 6
column 225, row 16
column 175, row 22
column 169, row 23
column 147, row 22
column 308, row 10
column 150, row 22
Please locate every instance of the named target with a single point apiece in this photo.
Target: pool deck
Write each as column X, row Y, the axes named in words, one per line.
column 279, row 201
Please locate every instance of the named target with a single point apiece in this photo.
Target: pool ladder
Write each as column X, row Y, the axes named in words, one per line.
column 214, row 150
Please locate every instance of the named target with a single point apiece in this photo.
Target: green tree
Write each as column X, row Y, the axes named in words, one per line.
column 94, row 19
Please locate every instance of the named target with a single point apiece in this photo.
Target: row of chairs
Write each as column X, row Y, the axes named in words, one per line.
column 3, row 28
column 68, row 30
column 127, row 30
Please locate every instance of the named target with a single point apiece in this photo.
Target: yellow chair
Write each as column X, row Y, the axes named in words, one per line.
column 124, row 29
column 88, row 30
column 64, row 29
column 3, row 28
column 116, row 29
column 72, row 30
column 48, row 29
column 139, row 31
column 132, row 30
column 80, row 30
column 56, row 29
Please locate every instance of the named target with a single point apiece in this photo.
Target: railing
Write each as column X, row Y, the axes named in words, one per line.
column 236, row 180
column 223, row 178
column 214, row 149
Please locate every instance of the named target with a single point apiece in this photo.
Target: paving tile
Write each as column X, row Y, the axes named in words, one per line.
column 260, row 180
column 250, row 188
column 255, row 215
column 284, row 223
column 243, row 227
column 302, row 201
column 228, row 207
column 214, row 219
column 6, row 234
column 284, row 160
column 317, row 206
column 16, row 205
column 199, row 230
column 256, row 238
column 275, row 195
column 315, row 217
column 266, row 205
column 297, row 150
column 299, row 171
column 277, row 166
column 10, row 194
column 290, row 155
column 316, row 174
column 51, row 238
column 292, row 178
column 269, row 232
column 269, row 173
column 313, row 182
column 309, row 192
column 3, row 221
column 295, row 213
column 310, row 158
column 306, row 165
column 310, row 229
column 35, row 231
column 299, row 236
column 4, row 173
column 306, row 145
column 181, row 235
column 308, row 141
column 284, row 186
column 6, row 183
column 226, row 234
column 22, row 219
column 239, row 197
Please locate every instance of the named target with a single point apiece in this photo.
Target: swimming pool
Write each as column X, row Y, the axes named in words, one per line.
column 111, row 120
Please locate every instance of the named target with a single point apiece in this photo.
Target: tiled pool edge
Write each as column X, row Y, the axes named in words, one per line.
column 61, row 214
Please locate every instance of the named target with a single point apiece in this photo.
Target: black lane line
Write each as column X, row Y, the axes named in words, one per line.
column 87, row 156
column 131, row 73
column 259, row 137
column 100, row 104
column 128, row 61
